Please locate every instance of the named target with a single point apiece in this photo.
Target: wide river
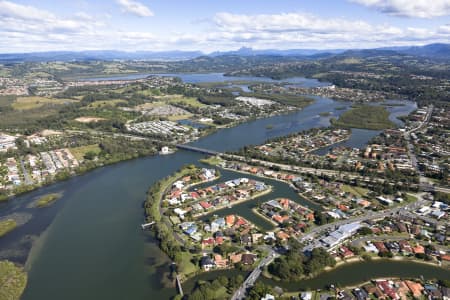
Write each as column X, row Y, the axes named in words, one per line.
column 89, row 245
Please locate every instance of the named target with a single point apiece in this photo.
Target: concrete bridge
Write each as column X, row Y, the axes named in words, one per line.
column 197, row 149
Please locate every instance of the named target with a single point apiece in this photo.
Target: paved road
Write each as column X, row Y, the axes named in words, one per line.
column 404, row 210
column 298, row 169
column 26, row 175
column 251, row 279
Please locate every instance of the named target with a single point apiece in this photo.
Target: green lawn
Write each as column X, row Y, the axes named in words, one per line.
column 188, row 101
column 79, row 152
column 26, row 103
column 179, row 117
column 186, row 267
column 46, row 200
column 355, row 190
column 410, row 198
column 13, row 280
column 7, row 226
column 103, row 103
column 365, row 117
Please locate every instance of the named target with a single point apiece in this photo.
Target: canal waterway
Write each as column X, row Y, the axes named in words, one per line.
column 346, row 275
column 244, row 209
column 359, row 272
column 88, row 244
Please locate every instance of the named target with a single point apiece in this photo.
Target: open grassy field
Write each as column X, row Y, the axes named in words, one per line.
column 79, row 152
column 355, row 190
column 147, row 93
column 186, row 266
column 411, row 198
column 151, row 105
column 103, row 103
column 13, row 280
column 179, row 117
column 186, row 100
column 7, row 226
column 6, row 101
column 26, row 103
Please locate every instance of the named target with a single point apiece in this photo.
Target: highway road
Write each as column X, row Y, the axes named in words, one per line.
column 298, row 169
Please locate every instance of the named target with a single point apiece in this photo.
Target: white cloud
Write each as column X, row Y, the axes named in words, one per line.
column 25, row 28
column 298, row 30
column 22, row 11
column 410, row 8
column 135, row 8
column 286, row 22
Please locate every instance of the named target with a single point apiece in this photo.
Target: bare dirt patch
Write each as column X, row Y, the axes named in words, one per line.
column 89, row 119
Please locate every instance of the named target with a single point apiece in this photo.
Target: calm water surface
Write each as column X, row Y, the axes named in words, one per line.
column 89, row 245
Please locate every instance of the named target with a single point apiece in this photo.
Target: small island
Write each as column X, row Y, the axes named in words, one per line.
column 13, row 280
column 7, row 226
column 47, row 200
column 365, row 117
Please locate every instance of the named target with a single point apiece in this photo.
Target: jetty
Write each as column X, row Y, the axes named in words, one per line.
column 147, row 225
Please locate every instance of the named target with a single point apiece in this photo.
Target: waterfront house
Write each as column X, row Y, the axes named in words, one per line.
column 360, row 294
column 235, row 258
column 220, row 261
column 388, row 289
column 344, row 252
column 191, row 230
column 405, row 247
column 282, row 236
column 230, row 219
column 205, row 205
column 207, row 242
column 418, row 249
column 248, row 258
column 219, row 223
column 206, row 263
column 415, row 288
column 380, row 247
column 246, row 240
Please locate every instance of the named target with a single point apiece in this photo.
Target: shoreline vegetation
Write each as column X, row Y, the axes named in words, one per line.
column 47, row 200
column 13, row 280
column 356, row 260
column 352, row 261
column 164, row 233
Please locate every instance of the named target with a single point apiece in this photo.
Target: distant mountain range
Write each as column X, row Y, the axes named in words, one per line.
column 436, row 51
column 107, row 55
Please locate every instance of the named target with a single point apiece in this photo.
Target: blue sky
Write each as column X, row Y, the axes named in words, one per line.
column 210, row 25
